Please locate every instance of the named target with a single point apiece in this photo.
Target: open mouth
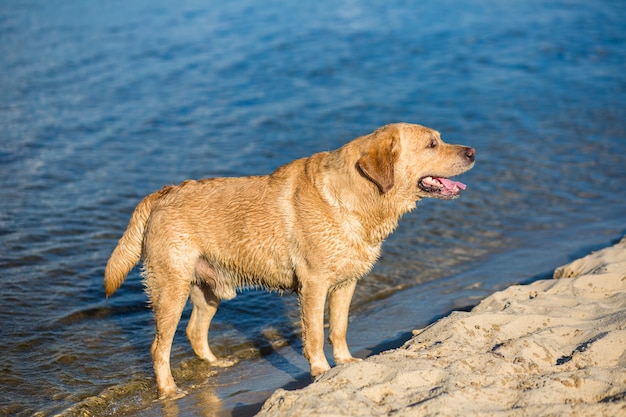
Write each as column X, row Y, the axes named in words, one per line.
column 441, row 187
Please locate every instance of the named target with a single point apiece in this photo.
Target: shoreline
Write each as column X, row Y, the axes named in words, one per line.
column 555, row 346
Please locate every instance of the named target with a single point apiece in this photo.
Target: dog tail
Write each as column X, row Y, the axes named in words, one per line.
column 130, row 246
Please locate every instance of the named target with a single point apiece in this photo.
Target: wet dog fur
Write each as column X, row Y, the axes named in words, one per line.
column 314, row 226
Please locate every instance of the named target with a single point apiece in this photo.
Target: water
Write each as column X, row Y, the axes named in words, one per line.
column 102, row 103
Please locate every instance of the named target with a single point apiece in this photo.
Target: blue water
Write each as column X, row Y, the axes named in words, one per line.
column 102, row 103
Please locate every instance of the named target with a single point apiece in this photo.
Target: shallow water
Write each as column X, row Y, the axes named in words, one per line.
column 101, row 104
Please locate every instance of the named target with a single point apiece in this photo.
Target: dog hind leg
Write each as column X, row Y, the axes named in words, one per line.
column 205, row 304
column 168, row 301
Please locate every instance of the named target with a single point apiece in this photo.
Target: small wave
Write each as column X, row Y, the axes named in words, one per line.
column 119, row 399
column 101, row 312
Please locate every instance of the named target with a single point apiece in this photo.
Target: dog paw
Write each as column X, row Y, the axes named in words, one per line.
column 172, row 395
column 348, row 360
column 224, row 363
column 319, row 370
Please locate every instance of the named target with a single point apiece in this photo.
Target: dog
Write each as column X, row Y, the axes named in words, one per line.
column 314, row 226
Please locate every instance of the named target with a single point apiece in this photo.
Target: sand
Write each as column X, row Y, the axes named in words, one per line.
column 555, row 347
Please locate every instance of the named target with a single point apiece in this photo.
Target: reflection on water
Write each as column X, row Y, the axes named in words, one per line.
column 104, row 103
column 207, row 404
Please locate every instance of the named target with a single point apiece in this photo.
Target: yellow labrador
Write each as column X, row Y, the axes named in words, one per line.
column 314, row 226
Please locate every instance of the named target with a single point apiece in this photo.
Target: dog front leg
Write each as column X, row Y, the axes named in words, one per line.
column 339, row 300
column 312, row 298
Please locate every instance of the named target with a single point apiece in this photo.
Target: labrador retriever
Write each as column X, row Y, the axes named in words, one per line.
column 314, row 226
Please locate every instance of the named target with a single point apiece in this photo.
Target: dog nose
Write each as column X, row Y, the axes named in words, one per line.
column 470, row 153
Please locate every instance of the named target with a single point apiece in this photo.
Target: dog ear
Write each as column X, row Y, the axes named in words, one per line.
column 378, row 160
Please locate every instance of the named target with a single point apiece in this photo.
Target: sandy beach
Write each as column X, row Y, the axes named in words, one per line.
column 554, row 347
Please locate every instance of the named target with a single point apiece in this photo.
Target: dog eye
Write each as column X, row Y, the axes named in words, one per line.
column 432, row 143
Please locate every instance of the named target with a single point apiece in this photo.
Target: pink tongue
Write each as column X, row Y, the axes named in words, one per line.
column 449, row 184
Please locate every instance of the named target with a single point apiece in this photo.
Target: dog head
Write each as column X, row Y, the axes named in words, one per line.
column 413, row 159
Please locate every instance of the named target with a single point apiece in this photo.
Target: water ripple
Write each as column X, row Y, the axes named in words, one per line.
column 104, row 103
